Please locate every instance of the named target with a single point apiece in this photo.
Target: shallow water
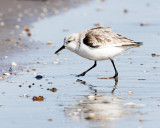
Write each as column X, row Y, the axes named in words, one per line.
column 87, row 101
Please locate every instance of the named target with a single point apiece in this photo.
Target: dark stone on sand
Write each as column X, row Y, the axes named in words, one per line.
column 52, row 89
column 39, row 77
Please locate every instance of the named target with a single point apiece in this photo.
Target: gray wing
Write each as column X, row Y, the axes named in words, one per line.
column 98, row 37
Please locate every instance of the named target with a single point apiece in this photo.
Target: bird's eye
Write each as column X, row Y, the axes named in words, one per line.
column 68, row 41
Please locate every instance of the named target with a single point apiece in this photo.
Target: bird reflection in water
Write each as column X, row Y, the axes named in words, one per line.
column 97, row 106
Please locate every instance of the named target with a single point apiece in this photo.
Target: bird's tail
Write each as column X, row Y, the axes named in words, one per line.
column 134, row 44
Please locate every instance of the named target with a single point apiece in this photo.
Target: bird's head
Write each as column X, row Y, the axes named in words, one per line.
column 70, row 42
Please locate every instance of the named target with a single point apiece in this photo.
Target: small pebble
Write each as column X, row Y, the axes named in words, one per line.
column 50, row 83
column 141, row 120
column 17, row 26
column 2, row 23
column 53, row 90
column 153, row 55
column 34, row 73
column 125, row 11
column 5, row 57
column 26, row 29
column 65, row 59
column 50, row 119
column 141, row 79
column 48, row 42
column 143, row 24
column 45, row 63
column 29, row 34
column 99, row 9
column 27, row 67
column 39, row 77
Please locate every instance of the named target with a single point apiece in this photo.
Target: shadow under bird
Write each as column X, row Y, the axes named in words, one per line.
column 98, row 44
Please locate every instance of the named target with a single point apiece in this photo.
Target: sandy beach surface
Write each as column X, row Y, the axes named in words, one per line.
column 40, row 89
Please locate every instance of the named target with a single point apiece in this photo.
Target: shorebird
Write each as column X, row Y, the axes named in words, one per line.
column 98, row 44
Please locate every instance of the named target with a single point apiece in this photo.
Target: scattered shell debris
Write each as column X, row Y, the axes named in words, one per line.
column 6, row 75
column 14, row 64
column 57, row 61
column 38, row 98
column 143, row 24
column 155, row 55
column 91, row 97
column 130, row 92
column 24, row 95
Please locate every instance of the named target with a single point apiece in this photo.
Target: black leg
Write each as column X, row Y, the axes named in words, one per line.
column 82, row 74
column 116, row 73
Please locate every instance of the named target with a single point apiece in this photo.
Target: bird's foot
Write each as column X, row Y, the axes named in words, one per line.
column 82, row 74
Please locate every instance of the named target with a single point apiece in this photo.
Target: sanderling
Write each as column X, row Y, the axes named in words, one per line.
column 98, row 44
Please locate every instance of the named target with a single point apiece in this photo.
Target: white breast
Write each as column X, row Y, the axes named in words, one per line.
column 102, row 53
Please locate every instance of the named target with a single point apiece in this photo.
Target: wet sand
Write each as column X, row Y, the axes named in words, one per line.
column 63, row 100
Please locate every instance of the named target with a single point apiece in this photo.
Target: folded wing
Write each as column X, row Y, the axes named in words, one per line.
column 104, row 37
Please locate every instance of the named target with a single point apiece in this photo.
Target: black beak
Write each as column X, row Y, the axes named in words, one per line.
column 63, row 47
